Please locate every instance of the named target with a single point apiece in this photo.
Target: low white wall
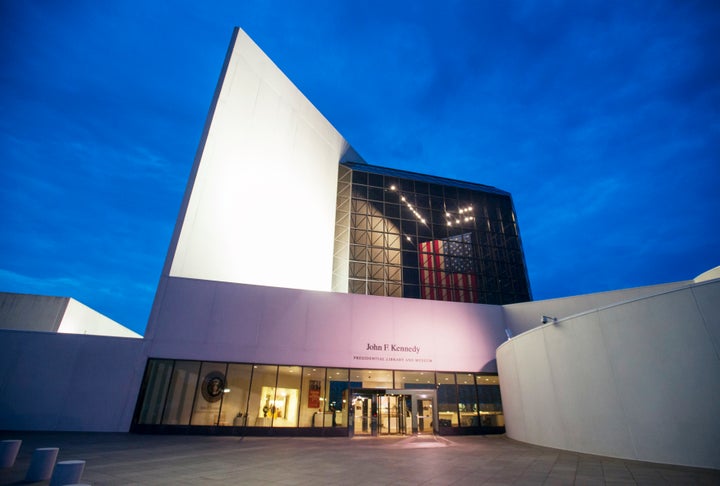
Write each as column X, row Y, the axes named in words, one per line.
column 68, row 382
column 524, row 316
column 198, row 319
column 637, row 380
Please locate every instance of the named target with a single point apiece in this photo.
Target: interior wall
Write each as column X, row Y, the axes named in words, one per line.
column 638, row 380
column 68, row 382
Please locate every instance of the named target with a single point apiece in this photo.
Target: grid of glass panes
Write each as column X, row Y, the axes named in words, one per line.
column 411, row 238
column 183, row 393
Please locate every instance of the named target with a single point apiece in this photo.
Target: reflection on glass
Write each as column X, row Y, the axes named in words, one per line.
column 447, row 400
column 490, row 401
column 467, row 236
column 287, row 397
column 222, row 394
column 208, row 397
column 312, row 398
column 414, row 379
column 157, row 378
column 336, row 401
column 235, row 400
column 262, row 396
column 372, row 378
column 467, row 400
column 182, row 388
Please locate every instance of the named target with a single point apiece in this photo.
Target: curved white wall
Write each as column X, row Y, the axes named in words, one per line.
column 638, row 380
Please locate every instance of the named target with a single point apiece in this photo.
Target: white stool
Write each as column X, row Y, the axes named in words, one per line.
column 67, row 472
column 8, row 452
column 41, row 464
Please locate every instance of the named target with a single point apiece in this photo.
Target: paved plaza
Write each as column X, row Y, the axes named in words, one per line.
column 129, row 459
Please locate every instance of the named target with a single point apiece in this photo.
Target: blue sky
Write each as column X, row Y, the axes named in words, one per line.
column 601, row 118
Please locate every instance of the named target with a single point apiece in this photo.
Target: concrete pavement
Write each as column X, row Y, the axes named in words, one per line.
column 131, row 459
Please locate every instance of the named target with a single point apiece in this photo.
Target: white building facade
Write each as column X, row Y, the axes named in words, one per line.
column 389, row 303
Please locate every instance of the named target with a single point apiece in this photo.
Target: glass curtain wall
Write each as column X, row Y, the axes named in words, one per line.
column 312, row 397
column 194, row 393
column 262, row 410
column 336, row 399
column 491, row 414
column 433, row 238
column 209, row 395
column 155, row 387
column 447, row 398
column 183, row 383
column 235, row 400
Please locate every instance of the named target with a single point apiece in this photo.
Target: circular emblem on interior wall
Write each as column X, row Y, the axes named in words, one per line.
column 213, row 386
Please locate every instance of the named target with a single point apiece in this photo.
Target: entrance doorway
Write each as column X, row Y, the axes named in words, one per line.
column 376, row 413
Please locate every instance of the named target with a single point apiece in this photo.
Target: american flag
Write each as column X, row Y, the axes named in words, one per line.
column 447, row 270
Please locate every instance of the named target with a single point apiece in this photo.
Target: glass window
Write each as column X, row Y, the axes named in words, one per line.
column 359, row 177
column 447, row 400
column 235, row 399
column 182, row 390
column 373, row 378
column 262, row 396
column 414, row 379
column 376, row 193
column 490, row 402
column 157, row 379
column 287, row 397
column 375, row 180
column 336, row 399
column 312, row 397
column 209, row 395
column 467, row 400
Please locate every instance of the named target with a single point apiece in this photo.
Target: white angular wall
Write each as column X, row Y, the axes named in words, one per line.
column 260, row 204
column 26, row 312
column 639, row 379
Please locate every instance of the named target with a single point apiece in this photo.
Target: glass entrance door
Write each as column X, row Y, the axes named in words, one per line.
column 425, row 416
column 392, row 414
column 364, row 421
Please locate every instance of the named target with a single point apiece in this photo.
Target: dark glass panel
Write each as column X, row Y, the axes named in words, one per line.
column 156, row 385
column 314, row 390
column 209, row 395
column 182, row 390
column 376, row 180
column 447, row 400
column 235, row 401
column 421, row 188
column 336, row 400
column 435, row 190
column 262, row 396
column 467, row 400
column 376, row 193
column 359, row 177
